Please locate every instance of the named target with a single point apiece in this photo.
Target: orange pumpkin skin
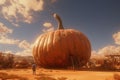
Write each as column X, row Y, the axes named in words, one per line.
column 53, row 49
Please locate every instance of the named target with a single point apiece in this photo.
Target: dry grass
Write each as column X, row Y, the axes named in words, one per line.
column 116, row 76
column 45, row 78
column 49, row 78
column 42, row 76
column 5, row 76
column 62, row 78
column 46, row 74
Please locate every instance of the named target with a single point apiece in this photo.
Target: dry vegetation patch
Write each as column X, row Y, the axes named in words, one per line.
column 42, row 76
column 116, row 76
column 6, row 76
column 50, row 78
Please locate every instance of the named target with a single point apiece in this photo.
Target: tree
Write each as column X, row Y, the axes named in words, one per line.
column 8, row 61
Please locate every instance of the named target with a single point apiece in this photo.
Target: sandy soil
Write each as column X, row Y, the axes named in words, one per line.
column 68, row 74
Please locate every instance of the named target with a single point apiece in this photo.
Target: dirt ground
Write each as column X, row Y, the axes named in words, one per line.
column 61, row 74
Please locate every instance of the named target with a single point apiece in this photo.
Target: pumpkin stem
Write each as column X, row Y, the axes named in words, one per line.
column 57, row 17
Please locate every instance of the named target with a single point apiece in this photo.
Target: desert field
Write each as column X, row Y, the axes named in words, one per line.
column 50, row 74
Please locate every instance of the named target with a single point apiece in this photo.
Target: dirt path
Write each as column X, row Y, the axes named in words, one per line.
column 68, row 74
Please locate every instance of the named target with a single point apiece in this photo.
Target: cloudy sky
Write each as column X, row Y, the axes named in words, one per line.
column 22, row 21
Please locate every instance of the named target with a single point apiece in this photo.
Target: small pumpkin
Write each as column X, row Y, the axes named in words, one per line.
column 61, row 48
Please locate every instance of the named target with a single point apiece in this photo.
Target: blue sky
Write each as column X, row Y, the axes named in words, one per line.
column 99, row 20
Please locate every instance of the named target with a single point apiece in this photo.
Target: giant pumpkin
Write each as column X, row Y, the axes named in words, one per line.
column 61, row 48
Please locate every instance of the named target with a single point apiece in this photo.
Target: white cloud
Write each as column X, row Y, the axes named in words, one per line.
column 8, row 51
column 4, row 29
column 107, row 50
column 2, row 2
column 5, row 40
column 116, row 38
column 24, row 44
column 15, row 24
column 21, row 10
column 27, row 48
column 110, row 50
column 48, row 27
column 47, row 24
column 27, row 52
column 94, row 54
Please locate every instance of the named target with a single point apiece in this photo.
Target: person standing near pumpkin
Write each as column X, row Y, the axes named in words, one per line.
column 34, row 68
